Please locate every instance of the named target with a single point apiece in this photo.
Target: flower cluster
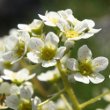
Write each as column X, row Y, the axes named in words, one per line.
column 34, row 45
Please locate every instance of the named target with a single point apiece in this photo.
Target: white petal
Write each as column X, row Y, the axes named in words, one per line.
column 24, row 36
column 72, row 64
column 11, row 42
column 44, row 18
column 22, row 74
column 96, row 78
column 9, row 56
column 49, row 63
column 80, row 78
column 14, row 90
column 48, row 23
column 32, row 56
column 36, row 43
column 83, row 25
column 12, row 102
column 84, row 53
column 69, row 44
column 26, row 92
column 35, row 102
column 23, row 27
column 8, row 72
column 100, row 63
column 52, row 38
column 94, row 30
column 49, row 75
column 60, row 52
column 30, row 76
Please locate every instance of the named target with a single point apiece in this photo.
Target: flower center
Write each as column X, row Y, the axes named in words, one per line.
column 48, row 52
column 20, row 48
column 85, row 68
column 71, row 34
column 53, row 20
column 25, row 105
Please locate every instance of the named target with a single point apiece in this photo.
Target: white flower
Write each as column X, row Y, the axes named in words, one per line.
column 81, row 30
column 23, row 100
column 34, row 27
column 87, row 69
column 17, row 77
column 49, row 75
column 47, row 51
column 16, row 47
column 50, row 18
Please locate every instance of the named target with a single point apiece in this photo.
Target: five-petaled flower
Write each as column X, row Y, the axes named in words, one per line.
column 87, row 69
column 45, row 51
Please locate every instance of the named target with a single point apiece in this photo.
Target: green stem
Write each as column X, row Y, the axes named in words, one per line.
column 66, row 102
column 93, row 100
column 68, row 87
column 63, row 98
column 46, row 101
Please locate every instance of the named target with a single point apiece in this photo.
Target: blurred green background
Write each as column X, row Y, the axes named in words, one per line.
column 13, row 12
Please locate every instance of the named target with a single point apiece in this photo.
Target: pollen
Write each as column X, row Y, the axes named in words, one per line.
column 54, row 20
column 71, row 34
column 48, row 52
column 85, row 68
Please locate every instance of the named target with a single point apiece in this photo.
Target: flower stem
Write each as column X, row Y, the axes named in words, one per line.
column 46, row 101
column 93, row 100
column 64, row 98
column 68, row 87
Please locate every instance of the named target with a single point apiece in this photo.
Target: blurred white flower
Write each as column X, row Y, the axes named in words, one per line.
column 33, row 28
column 50, row 18
column 24, row 100
column 87, row 69
column 50, row 75
column 17, row 77
column 47, row 51
column 15, row 47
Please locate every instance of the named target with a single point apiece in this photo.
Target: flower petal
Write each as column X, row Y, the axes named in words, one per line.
column 72, row 64
column 11, row 42
column 83, row 25
column 60, row 52
column 32, row 56
column 100, row 63
column 12, row 102
column 26, row 92
column 36, row 43
column 80, row 78
column 23, row 27
column 84, row 53
column 49, row 63
column 96, row 78
column 52, row 38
